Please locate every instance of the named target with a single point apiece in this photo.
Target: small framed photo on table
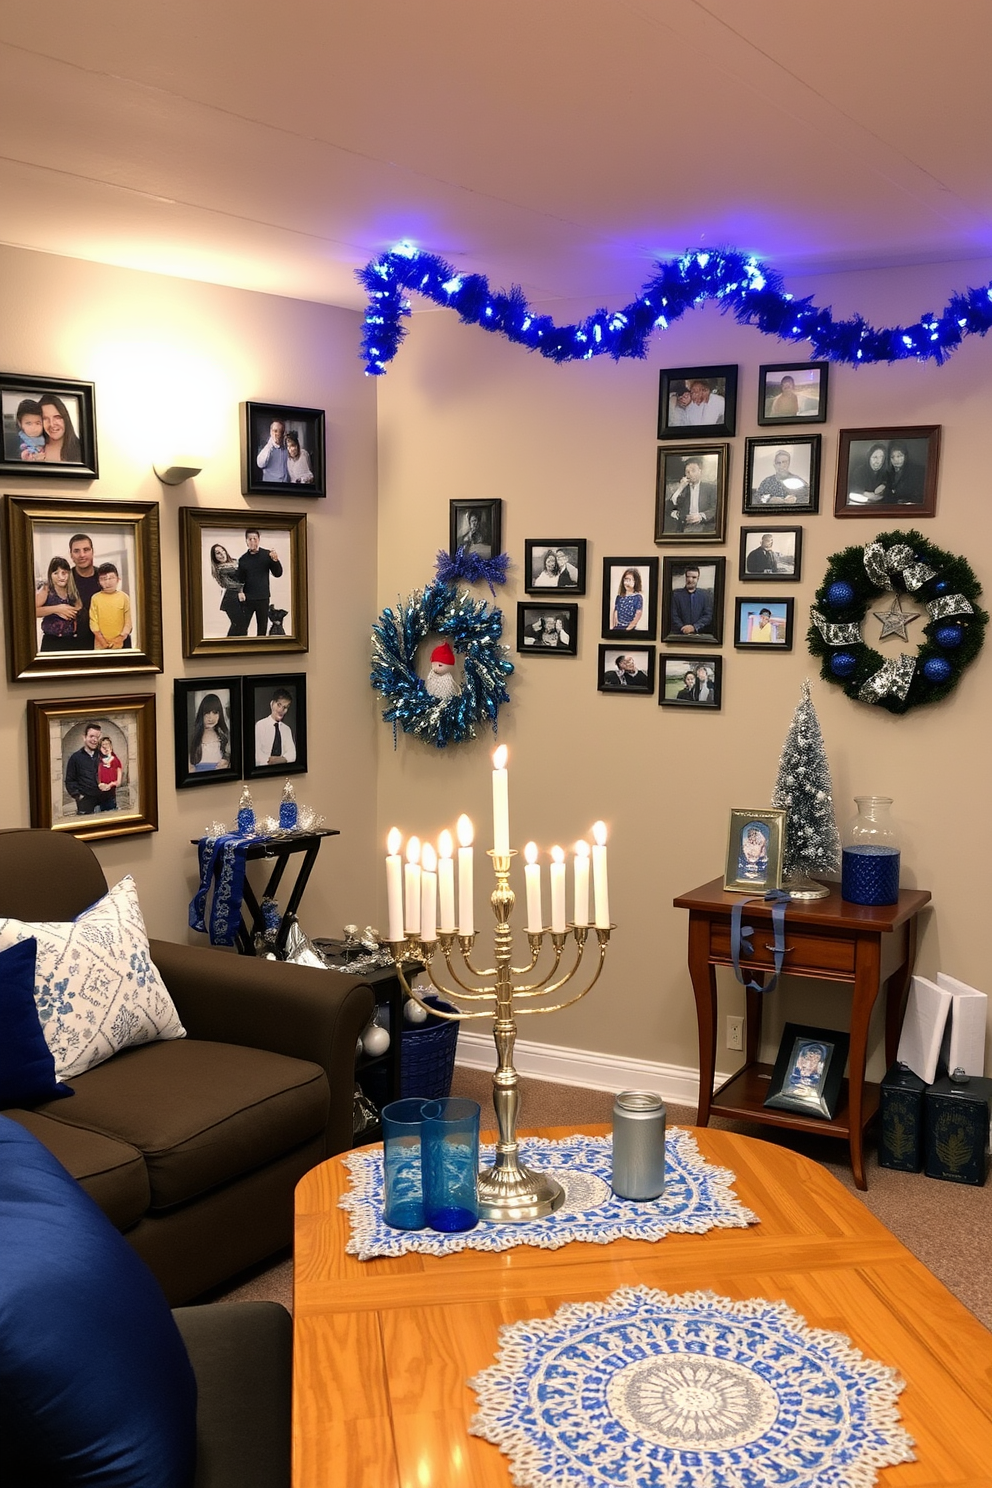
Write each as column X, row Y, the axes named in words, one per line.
column 687, row 682
column 754, row 851
column 476, row 527
column 697, row 403
column 92, row 765
column 626, row 669
column 630, row 598
column 771, row 554
column 282, row 450
column 275, row 732
column 782, row 476
column 882, row 471
column 763, row 624
column 692, row 600
column 808, row 1071
column 207, row 718
column 555, row 563
column 49, row 427
column 691, row 494
column 793, row 392
column 548, row 629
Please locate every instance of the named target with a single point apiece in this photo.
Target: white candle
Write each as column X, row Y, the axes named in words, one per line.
column 466, row 877
column 601, row 891
column 412, row 879
column 501, row 803
column 428, row 895
column 558, row 890
column 394, row 884
column 446, row 882
column 532, row 877
column 580, row 864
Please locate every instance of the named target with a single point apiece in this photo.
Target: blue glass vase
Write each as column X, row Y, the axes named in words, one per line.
column 871, row 857
column 451, row 1164
column 402, row 1142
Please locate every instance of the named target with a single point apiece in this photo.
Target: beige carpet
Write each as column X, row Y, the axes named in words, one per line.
column 948, row 1226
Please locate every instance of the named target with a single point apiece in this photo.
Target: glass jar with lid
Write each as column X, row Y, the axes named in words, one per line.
column 871, row 854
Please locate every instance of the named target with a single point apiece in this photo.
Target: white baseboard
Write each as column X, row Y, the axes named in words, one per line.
column 591, row 1071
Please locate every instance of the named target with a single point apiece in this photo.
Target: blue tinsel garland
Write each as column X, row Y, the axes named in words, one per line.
column 739, row 282
column 471, row 568
column 473, row 630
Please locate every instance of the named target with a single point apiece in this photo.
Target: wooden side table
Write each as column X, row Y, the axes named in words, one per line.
column 826, row 939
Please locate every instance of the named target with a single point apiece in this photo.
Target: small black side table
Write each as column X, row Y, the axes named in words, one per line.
column 281, row 849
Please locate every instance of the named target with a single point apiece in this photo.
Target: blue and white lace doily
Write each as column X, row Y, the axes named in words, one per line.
column 697, row 1198
column 671, row 1391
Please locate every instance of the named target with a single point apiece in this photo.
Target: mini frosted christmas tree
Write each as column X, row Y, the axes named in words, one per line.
column 804, row 789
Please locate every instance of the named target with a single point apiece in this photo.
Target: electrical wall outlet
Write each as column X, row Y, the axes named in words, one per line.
column 735, row 1033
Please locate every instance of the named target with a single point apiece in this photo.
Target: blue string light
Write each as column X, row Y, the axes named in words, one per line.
column 739, row 283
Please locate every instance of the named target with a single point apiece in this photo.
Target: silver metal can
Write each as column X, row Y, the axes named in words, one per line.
column 638, row 1145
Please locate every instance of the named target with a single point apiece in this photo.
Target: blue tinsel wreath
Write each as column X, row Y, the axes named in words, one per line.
column 473, row 631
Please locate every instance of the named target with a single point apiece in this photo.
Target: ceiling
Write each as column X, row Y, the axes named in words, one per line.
column 559, row 144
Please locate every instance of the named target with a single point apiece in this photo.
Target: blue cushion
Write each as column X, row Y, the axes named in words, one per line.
column 95, row 1384
column 27, row 1068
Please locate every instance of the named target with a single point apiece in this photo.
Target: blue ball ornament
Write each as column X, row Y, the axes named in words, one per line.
column 936, row 669
column 948, row 636
column 840, row 594
column 941, row 586
column 843, row 664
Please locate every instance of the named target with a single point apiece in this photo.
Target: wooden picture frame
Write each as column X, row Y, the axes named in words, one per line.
column 809, row 1071
column 763, row 623
column 277, row 698
column 269, row 464
column 782, row 476
column 692, row 612
column 49, row 427
column 906, row 487
column 697, row 403
column 755, row 845
column 688, row 478
column 771, row 555
column 793, row 392
column 207, row 727
column 118, row 535
column 215, row 620
column 675, row 685
column 556, row 564
column 547, row 628
column 626, row 669
column 476, row 527
column 57, row 740
column 638, row 621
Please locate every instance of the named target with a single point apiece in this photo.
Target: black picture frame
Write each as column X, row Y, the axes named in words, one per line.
column 71, row 404
column 644, row 626
column 771, row 486
column 678, row 409
column 633, row 681
column 306, row 425
column 547, row 628
column 258, row 695
column 711, row 580
column 673, row 681
column 910, row 491
column 191, row 700
column 487, row 540
column 807, row 392
column 749, row 622
column 212, row 613
column 569, row 567
column 797, row 1084
column 777, row 562
column 673, row 494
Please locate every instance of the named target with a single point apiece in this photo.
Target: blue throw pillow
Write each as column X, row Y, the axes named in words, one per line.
column 96, row 1387
column 27, row 1068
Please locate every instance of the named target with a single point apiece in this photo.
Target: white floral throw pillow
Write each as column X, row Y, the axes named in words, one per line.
column 96, row 988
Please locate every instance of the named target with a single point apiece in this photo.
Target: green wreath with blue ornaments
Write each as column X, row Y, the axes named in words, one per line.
column 437, row 707
column 944, row 594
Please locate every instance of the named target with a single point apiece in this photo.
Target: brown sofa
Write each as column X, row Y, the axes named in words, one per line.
column 193, row 1146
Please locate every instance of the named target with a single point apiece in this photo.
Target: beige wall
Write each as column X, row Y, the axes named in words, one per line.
column 171, row 361
column 571, row 453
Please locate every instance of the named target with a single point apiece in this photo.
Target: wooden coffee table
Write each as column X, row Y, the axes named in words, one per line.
column 383, row 1348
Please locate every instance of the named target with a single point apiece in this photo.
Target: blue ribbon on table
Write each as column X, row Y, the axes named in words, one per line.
column 740, row 937
column 223, row 861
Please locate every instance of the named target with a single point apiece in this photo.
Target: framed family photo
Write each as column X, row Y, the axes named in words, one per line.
column 697, row 402
column 555, row 564
column 763, row 624
column 687, row 682
column 49, row 427
column 793, row 392
column 548, row 629
column 888, row 470
column 782, row 474
column 244, row 581
column 771, row 554
column 630, row 598
column 475, row 527
column 282, row 450
column 82, row 587
column 809, row 1071
column 691, row 494
column 755, row 845
column 92, row 765
column 692, row 600
column 275, row 714
column 626, row 669
column 207, row 718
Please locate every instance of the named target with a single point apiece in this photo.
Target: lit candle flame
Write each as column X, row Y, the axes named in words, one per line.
column 413, row 850
column 582, row 848
column 393, row 841
column 530, row 852
column 445, row 846
column 429, row 859
column 599, row 832
column 465, row 830
column 499, row 758
column 558, row 854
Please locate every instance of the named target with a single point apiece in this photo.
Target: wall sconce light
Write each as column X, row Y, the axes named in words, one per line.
column 175, row 474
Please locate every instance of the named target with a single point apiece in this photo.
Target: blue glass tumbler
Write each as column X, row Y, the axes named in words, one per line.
column 402, row 1144
column 451, row 1164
